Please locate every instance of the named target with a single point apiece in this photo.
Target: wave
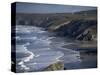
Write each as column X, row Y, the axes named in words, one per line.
column 33, row 49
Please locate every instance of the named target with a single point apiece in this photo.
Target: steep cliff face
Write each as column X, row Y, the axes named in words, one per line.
column 89, row 34
column 80, row 25
column 78, row 29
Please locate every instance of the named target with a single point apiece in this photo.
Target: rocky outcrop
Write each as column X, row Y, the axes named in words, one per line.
column 89, row 34
column 77, row 25
column 55, row 66
column 78, row 29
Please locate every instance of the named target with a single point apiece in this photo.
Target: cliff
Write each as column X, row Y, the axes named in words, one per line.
column 80, row 25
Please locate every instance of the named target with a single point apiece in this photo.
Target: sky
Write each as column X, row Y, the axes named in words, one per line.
column 49, row 8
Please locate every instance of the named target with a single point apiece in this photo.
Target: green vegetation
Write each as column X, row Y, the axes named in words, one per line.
column 55, row 66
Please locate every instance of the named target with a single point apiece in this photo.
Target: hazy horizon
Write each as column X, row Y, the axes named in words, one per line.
column 22, row 7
